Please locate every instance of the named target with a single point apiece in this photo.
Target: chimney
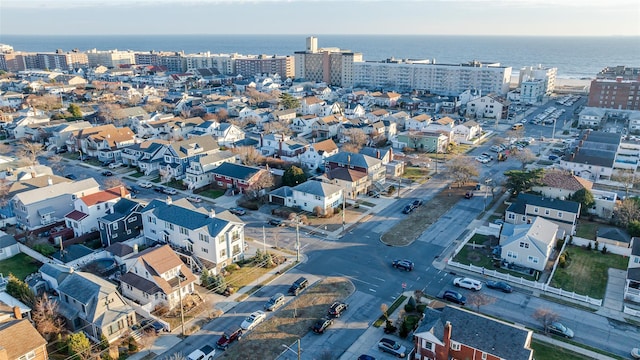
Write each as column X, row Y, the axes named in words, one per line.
column 442, row 352
column 49, row 180
column 168, row 201
column 123, row 191
column 212, row 213
column 16, row 312
column 377, row 154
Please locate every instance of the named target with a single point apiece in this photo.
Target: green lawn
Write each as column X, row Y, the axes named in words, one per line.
column 137, row 175
column 544, row 351
column 212, row 193
column 20, row 265
column 586, row 273
column 415, row 173
column 587, row 229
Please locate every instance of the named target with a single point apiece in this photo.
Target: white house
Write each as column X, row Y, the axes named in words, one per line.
column 208, row 237
column 489, row 106
column 87, row 209
column 312, row 195
column 199, row 173
column 464, row 133
column 632, row 285
column 8, row 246
column 528, row 245
column 315, row 156
column 418, row 123
column 591, row 117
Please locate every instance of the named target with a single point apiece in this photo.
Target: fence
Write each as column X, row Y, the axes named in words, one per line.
column 528, row 283
column 614, row 249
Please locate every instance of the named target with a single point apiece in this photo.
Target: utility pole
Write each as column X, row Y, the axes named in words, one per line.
column 181, row 307
column 298, row 348
column 297, row 239
column 264, row 241
column 343, row 209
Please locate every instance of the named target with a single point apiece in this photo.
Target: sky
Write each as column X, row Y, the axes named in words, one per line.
column 349, row 17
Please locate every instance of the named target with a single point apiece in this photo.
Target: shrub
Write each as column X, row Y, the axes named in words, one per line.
column 232, row 267
column 391, row 190
column 389, row 328
column 589, row 246
column 604, row 249
column 420, row 308
column 411, row 305
column 404, row 330
column 133, row 345
column 559, row 244
column 44, row 249
column 597, row 246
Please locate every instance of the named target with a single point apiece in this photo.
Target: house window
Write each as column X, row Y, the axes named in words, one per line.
column 129, row 232
column 132, row 219
column 455, row 346
column 535, row 210
column 524, row 218
column 533, row 259
column 204, row 238
column 205, row 250
column 221, row 239
column 484, row 356
column 546, row 212
column 114, row 235
column 101, row 226
column 427, row 345
column 28, row 356
column 236, row 249
column 115, row 226
column 184, row 231
column 152, row 220
column 513, row 255
column 223, row 252
column 636, row 260
column 511, row 216
column 524, row 245
column 559, row 214
column 168, row 225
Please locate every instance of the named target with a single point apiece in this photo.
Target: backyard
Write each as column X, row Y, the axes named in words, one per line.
column 292, row 322
column 587, row 229
column 544, row 351
column 586, row 272
column 19, row 265
column 414, row 224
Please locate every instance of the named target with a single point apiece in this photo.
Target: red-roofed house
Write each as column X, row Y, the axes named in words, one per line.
column 87, row 209
column 104, row 142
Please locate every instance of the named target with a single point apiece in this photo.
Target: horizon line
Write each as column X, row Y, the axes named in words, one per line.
column 323, row 34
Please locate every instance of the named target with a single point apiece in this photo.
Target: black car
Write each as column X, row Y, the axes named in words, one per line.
column 468, row 195
column 407, row 209
column 454, row 297
column 71, row 177
column 159, row 189
column 276, row 222
column 337, row 308
column 499, row 285
column 404, row 264
column 298, row 286
column 152, row 325
column 107, row 173
column 133, row 189
column 321, row 325
column 61, row 150
column 416, row 203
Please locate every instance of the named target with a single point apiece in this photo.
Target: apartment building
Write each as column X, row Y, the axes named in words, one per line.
column 224, row 63
column 545, row 74
column 333, row 66
column 425, row 76
column 593, row 156
column 619, row 93
column 110, row 58
column 250, row 66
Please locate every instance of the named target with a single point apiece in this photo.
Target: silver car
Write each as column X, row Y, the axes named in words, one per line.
column 392, row 347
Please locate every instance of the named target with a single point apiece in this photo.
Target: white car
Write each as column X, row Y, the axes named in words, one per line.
column 193, row 198
column 115, row 165
column 635, row 353
column 145, row 184
column 467, row 283
column 253, row 320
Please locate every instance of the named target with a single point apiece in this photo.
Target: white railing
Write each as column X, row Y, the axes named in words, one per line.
column 528, row 283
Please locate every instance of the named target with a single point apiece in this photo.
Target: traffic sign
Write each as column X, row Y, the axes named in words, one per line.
column 404, row 285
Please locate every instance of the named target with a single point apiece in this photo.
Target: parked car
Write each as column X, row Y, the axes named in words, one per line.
column 321, row 325
column 392, row 347
column 404, row 264
column 253, row 320
column 204, row 353
column 152, row 325
column 366, row 357
column 229, row 336
column 467, row 283
column 417, row 203
column 71, row 177
column 145, row 185
column 558, row 328
column 635, row 353
column 238, row 211
column 499, row 285
column 468, row 195
column 553, row 157
column 107, row 173
column 132, row 189
column 61, row 150
column 454, row 297
column 194, row 199
column 169, row 191
column 106, row 163
column 298, row 286
column 275, row 302
column 407, row 209
column 337, row 308
column 159, row 189
column 276, row 222
column 115, row 165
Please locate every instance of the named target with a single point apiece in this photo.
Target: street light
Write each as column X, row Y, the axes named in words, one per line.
column 290, row 349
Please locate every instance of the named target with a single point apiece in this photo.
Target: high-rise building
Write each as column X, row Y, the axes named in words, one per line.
column 546, row 74
column 333, row 66
column 618, row 93
column 263, row 64
column 441, row 79
column 110, row 58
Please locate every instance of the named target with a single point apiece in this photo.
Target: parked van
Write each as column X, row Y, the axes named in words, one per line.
column 275, row 302
column 517, row 126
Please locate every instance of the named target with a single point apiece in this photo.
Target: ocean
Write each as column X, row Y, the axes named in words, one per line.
column 575, row 57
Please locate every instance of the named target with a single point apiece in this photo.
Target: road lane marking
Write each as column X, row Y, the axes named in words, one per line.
column 377, row 278
column 371, row 290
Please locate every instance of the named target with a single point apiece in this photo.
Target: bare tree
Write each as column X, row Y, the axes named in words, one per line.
column 45, row 102
column 46, row 317
column 356, row 136
column 384, row 308
column 222, row 114
column 515, row 134
column 57, row 163
column 462, row 170
column 248, row 155
column 352, row 148
column 627, row 178
column 109, row 112
column 265, row 181
column 545, row 317
column 29, row 151
column 480, row 299
column 176, row 356
column 112, row 182
column 627, row 211
column 5, row 187
column 277, row 127
column 497, row 140
column 147, row 339
column 525, row 156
